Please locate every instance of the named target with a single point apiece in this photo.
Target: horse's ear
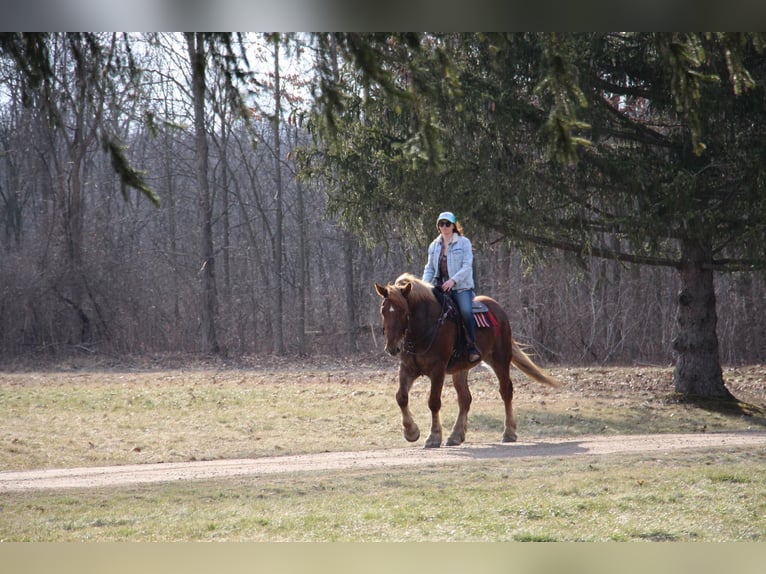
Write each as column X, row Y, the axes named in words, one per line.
column 406, row 289
column 382, row 291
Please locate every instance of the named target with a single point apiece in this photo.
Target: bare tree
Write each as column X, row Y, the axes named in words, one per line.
column 209, row 303
column 142, row 287
column 279, row 341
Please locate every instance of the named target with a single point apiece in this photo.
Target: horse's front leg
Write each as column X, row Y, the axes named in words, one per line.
column 460, row 382
column 410, row 428
column 434, row 440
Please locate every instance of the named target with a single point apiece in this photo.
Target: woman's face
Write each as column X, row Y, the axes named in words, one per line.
column 445, row 228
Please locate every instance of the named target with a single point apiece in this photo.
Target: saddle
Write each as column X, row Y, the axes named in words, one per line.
column 482, row 316
column 481, row 313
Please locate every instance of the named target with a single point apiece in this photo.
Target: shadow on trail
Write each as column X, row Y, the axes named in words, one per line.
column 516, row 450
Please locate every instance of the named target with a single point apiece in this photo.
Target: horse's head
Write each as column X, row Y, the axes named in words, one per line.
column 394, row 311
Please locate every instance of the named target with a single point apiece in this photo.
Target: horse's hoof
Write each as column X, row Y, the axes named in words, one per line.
column 453, row 441
column 413, row 436
column 433, row 444
column 509, row 437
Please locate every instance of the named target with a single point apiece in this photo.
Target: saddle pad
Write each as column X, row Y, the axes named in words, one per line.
column 487, row 320
column 479, row 307
column 481, row 319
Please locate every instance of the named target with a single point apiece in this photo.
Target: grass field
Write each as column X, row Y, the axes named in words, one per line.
column 99, row 416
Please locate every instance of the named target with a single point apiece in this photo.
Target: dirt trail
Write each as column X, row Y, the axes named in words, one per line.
column 116, row 476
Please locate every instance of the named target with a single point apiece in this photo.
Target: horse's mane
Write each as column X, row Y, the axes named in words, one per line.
column 421, row 291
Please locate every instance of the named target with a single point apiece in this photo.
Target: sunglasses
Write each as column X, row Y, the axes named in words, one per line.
column 444, row 223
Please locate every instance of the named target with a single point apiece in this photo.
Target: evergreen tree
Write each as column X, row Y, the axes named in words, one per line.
column 644, row 148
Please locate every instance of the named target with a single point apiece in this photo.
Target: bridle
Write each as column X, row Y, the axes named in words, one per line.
column 409, row 343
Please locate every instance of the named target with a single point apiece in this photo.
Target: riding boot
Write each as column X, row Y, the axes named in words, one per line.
column 473, row 354
column 469, row 329
column 470, row 334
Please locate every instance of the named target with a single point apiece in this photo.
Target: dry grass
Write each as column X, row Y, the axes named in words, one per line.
column 88, row 418
column 102, row 416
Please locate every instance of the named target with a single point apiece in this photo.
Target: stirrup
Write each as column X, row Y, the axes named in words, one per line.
column 474, row 355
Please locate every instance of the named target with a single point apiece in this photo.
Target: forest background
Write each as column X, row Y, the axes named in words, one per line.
column 238, row 254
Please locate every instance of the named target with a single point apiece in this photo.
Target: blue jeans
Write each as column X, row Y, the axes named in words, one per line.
column 464, row 299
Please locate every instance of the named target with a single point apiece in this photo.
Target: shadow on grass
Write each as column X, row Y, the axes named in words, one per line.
column 726, row 407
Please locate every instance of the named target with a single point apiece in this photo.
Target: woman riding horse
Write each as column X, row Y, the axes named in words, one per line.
column 420, row 333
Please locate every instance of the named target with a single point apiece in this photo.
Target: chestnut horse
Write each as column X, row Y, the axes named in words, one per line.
column 417, row 331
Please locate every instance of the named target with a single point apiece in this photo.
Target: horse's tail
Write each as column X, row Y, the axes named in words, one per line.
column 522, row 362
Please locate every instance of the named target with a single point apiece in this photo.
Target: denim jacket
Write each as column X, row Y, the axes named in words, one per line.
column 459, row 262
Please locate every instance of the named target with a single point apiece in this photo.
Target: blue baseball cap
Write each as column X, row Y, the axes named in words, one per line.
column 446, row 215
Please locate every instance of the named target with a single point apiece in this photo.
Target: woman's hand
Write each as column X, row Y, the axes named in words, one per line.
column 448, row 285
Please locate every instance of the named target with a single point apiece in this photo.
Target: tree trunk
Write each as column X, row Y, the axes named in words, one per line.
column 303, row 262
column 74, row 290
column 698, row 370
column 279, row 339
column 209, row 303
column 348, row 274
column 224, row 151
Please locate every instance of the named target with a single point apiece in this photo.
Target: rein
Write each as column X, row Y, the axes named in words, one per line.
column 408, row 342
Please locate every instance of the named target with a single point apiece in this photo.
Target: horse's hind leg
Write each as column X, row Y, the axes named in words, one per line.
column 506, row 392
column 460, row 382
